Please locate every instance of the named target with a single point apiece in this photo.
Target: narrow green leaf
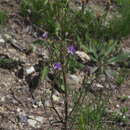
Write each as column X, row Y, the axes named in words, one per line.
column 110, row 49
column 119, row 58
column 44, row 73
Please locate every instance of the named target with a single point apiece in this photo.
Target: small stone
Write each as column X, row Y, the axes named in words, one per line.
column 70, row 109
column 2, row 41
column 117, row 105
column 99, row 85
column 34, row 106
column 7, row 1
column 84, row 57
column 45, row 54
column 74, row 81
column 120, row 113
column 32, row 122
column 124, row 117
column 128, row 97
column 2, row 99
column 75, row 78
column 14, row 40
column 56, row 98
column 40, row 119
column 18, row 110
column 30, row 70
column 35, row 120
column 7, row 37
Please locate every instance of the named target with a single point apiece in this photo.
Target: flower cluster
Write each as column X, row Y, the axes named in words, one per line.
column 71, row 50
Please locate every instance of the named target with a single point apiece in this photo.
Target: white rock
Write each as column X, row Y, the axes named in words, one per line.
column 124, row 117
column 117, row 105
column 14, row 40
column 32, row 122
column 45, row 54
column 7, row 0
column 40, row 119
column 2, row 99
column 2, row 41
column 56, row 98
column 18, row 109
column 99, row 85
column 30, row 70
column 84, row 57
column 73, row 79
column 35, row 120
column 7, row 36
column 70, row 109
column 120, row 113
column 34, row 106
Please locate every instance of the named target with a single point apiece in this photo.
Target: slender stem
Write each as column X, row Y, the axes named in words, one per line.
column 65, row 100
column 81, row 97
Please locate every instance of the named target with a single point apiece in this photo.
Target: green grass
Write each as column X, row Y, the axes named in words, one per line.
column 58, row 18
column 91, row 117
column 3, row 17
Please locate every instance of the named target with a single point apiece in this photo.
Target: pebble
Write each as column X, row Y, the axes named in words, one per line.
column 73, row 79
column 3, row 99
column 35, row 120
column 32, row 122
column 56, row 98
column 124, row 117
column 34, row 106
column 84, row 57
column 30, row 70
column 18, row 110
column 14, row 41
column 7, row 37
column 99, row 85
column 117, row 105
column 39, row 118
column 2, row 41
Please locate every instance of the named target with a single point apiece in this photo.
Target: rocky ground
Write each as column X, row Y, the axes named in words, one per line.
column 18, row 109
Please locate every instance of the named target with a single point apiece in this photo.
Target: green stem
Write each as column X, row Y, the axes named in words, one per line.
column 65, row 100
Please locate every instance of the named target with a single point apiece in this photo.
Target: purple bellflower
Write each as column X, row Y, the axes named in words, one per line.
column 45, row 35
column 71, row 49
column 57, row 66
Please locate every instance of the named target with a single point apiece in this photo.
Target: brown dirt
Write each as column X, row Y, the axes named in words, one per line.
column 14, row 93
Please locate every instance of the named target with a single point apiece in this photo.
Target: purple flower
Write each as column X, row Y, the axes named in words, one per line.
column 57, row 66
column 71, row 49
column 45, row 35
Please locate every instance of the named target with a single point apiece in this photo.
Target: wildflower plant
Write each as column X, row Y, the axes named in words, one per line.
column 67, row 32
